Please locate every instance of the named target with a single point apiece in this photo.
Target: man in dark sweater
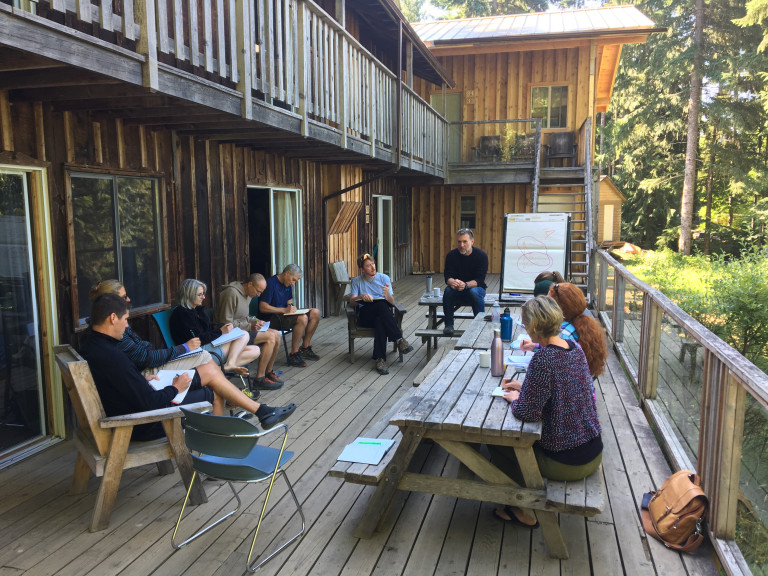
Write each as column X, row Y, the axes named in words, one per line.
column 465, row 269
column 123, row 389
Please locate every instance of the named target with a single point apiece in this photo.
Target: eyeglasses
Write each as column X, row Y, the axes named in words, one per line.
column 201, row 294
column 463, row 231
column 367, row 256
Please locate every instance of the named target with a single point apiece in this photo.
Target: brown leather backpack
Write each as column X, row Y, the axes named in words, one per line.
column 675, row 512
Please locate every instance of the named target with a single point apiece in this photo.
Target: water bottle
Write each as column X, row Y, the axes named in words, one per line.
column 495, row 313
column 428, row 291
column 497, row 354
column 506, row 326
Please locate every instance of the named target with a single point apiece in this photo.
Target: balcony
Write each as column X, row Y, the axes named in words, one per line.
column 266, row 74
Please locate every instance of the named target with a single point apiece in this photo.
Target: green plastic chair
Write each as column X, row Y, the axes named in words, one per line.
column 227, row 448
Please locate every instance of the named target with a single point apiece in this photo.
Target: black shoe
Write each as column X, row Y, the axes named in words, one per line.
column 277, row 415
column 448, row 330
column 308, row 353
column 296, row 360
column 265, row 383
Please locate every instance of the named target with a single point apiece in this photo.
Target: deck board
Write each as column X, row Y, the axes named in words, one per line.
column 44, row 530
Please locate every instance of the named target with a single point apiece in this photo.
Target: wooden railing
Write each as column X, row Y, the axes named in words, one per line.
column 708, row 403
column 289, row 54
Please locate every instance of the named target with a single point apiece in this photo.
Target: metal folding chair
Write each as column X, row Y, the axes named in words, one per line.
column 227, row 449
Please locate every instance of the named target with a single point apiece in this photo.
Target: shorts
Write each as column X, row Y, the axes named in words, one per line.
column 279, row 322
column 217, row 352
column 182, row 364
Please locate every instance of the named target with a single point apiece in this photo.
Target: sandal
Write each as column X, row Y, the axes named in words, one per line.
column 277, row 415
column 513, row 519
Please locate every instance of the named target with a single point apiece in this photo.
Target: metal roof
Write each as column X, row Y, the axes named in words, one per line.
column 609, row 19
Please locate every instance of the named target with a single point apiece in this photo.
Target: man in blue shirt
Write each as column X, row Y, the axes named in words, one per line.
column 276, row 304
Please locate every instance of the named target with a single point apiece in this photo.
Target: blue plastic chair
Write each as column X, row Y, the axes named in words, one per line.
column 163, row 321
column 227, row 449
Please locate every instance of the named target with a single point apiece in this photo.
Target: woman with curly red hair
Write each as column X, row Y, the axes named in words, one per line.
column 580, row 326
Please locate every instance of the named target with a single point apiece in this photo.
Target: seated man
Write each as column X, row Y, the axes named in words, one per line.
column 373, row 296
column 465, row 269
column 123, row 389
column 232, row 308
column 276, row 301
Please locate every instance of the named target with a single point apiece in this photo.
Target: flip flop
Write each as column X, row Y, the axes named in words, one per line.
column 278, row 414
column 513, row 519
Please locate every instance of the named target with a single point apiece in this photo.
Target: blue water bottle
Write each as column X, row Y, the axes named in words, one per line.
column 506, row 326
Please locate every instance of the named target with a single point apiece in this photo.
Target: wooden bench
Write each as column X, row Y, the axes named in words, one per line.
column 104, row 445
column 585, row 497
column 370, row 474
column 456, row 315
column 431, row 335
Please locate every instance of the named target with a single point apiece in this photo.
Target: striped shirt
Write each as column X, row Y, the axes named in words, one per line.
column 144, row 355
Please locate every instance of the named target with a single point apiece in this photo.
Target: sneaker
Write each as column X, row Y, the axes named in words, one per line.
column 296, row 360
column 448, row 330
column 273, row 377
column 381, row 366
column 252, row 394
column 264, row 383
column 308, row 353
column 403, row 346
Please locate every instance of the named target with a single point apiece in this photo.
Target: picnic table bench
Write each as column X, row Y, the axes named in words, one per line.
column 454, row 407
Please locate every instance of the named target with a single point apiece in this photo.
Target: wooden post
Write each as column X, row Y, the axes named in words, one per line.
column 98, row 151
column 373, row 110
column 602, row 285
column 244, row 45
column 6, row 125
column 650, row 340
column 147, row 42
column 409, row 64
column 303, row 63
column 617, row 324
column 343, row 88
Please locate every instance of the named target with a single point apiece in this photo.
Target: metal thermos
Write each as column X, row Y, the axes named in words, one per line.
column 429, row 285
column 506, row 326
column 497, row 354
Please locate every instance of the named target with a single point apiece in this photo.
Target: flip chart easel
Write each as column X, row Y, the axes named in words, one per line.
column 533, row 243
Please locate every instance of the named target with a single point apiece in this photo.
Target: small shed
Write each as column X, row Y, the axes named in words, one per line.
column 609, row 214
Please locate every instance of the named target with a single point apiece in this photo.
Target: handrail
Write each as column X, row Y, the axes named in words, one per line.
column 720, row 380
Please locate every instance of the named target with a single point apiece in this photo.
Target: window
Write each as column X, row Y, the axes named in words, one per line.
column 117, row 235
column 468, row 217
column 550, row 103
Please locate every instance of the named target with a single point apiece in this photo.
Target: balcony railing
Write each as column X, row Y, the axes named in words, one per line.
column 289, row 54
column 513, row 142
column 708, row 403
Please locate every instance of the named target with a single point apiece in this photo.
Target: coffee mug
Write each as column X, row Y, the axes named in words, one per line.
column 437, row 292
column 484, row 358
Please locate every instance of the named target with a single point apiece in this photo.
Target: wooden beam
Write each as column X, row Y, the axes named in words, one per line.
column 6, row 126
column 515, row 45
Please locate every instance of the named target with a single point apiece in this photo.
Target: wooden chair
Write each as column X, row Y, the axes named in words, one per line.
column 561, row 145
column 355, row 331
column 104, row 444
column 341, row 281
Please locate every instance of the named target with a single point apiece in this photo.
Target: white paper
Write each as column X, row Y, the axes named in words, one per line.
column 265, row 327
column 233, row 334
column 366, row 450
column 188, row 354
column 166, row 379
column 519, row 362
column 497, row 391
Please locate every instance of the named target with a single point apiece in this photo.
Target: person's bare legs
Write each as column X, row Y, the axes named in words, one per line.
column 298, row 333
column 276, row 338
column 268, row 352
column 239, row 353
column 313, row 320
column 525, row 516
column 223, row 390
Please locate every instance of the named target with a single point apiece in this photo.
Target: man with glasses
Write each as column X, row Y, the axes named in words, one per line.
column 276, row 304
column 232, row 307
column 465, row 269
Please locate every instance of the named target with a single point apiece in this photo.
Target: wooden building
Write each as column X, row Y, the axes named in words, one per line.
column 521, row 133
column 609, row 211
column 157, row 141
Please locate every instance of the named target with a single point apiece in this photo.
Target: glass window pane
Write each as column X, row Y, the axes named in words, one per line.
column 94, row 225
column 467, row 203
column 540, row 103
column 558, row 109
column 139, row 242
column 752, row 507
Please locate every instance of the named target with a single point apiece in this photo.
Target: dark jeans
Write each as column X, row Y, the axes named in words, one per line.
column 474, row 297
column 378, row 315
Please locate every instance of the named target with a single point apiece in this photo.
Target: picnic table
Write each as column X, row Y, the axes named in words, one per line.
column 479, row 334
column 454, row 408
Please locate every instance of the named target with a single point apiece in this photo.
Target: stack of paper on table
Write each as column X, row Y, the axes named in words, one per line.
column 366, row 450
column 518, row 362
column 166, row 379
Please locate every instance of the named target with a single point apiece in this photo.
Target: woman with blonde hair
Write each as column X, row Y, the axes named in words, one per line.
column 188, row 319
column 558, row 392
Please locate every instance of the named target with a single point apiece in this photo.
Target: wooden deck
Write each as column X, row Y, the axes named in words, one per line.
column 43, row 530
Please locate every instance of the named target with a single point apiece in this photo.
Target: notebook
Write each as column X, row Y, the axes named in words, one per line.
column 366, row 450
column 166, row 379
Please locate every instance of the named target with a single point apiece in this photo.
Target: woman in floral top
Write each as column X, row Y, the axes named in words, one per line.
column 558, row 392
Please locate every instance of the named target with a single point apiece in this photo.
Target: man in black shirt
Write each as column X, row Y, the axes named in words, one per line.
column 465, row 269
column 123, row 389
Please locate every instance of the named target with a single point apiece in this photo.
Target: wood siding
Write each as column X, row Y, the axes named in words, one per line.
column 435, row 220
